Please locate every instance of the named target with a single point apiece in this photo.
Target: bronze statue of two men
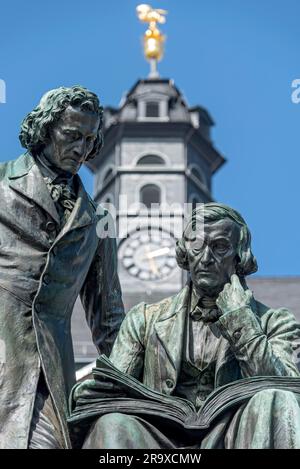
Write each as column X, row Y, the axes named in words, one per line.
column 211, row 333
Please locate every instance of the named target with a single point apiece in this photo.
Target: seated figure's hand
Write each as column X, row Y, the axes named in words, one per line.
column 233, row 296
column 91, row 388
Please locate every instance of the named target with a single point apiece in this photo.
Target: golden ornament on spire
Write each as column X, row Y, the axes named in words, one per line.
column 153, row 38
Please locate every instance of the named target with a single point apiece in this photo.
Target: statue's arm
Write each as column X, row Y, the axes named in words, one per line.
column 263, row 346
column 262, row 339
column 101, row 296
column 129, row 348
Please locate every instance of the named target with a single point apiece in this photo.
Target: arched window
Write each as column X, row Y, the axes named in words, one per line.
column 150, row 159
column 150, row 194
column 108, row 175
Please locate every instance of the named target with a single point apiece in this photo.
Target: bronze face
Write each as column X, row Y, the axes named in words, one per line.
column 213, row 256
column 72, row 139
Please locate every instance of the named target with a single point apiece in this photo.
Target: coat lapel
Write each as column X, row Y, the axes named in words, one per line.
column 26, row 178
column 170, row 329
column 83, row 213
column 171, row 326
column 224, row 355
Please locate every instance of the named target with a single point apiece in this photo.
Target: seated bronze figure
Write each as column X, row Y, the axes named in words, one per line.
column 211, row 333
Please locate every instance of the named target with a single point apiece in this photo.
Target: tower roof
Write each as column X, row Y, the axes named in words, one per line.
column 156, row 90
column 156, row 108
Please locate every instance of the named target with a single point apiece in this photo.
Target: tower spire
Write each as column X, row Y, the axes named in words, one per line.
column 153, row 38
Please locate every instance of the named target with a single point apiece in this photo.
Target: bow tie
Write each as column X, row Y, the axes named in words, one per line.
column 63, row 195
column 61, row 191
column 205, row 314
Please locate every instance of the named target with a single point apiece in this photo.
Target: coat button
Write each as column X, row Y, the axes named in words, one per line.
column 46, row 279
column 50, row 226
column 169, row 383
column 201, row 396
column 54, row 251
column 237, row 335
column 38, row 307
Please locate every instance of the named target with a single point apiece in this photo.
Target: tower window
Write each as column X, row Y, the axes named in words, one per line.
column 152, row 109
column 150, row 159
column 150, row 194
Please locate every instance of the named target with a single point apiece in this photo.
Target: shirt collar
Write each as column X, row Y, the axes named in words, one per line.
column 194, row 299
column 204, row 312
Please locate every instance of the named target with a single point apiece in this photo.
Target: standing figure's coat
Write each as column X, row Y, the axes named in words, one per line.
column 42, row 271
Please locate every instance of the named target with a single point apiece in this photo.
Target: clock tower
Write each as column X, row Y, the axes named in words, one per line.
column 157, row 157
column 157, row 163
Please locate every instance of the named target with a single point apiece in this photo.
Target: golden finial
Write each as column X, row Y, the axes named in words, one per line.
column 153, row 38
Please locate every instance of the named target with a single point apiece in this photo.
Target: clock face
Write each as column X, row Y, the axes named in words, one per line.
column 149, row 254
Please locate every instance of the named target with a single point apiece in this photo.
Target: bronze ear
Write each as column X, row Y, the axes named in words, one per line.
column 239, row 267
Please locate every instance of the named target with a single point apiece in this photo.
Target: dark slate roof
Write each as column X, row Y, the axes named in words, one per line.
column 125, row 120
column 272, row 291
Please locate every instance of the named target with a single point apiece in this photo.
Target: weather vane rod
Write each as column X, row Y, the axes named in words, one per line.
column 153, row 38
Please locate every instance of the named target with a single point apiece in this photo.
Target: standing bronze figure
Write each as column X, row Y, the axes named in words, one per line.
column 49, row 254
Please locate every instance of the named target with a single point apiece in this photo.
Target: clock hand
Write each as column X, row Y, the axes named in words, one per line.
column 157, row 253
column 153, row 266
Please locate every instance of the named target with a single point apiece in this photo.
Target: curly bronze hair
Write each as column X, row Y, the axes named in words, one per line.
column 212, row 212
column 35, row 127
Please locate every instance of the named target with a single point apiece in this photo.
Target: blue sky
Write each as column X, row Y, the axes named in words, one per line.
column 237, row 58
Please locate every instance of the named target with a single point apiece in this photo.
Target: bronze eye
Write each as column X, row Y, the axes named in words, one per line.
column 195, row 244
column 71, row 135
column 221, row 247
column 91, row 139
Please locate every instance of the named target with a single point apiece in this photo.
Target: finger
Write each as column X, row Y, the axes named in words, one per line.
column 235, row 281
column 249, row 294
column 219, row 300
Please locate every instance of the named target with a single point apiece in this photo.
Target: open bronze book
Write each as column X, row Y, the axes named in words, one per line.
column 110, row 390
